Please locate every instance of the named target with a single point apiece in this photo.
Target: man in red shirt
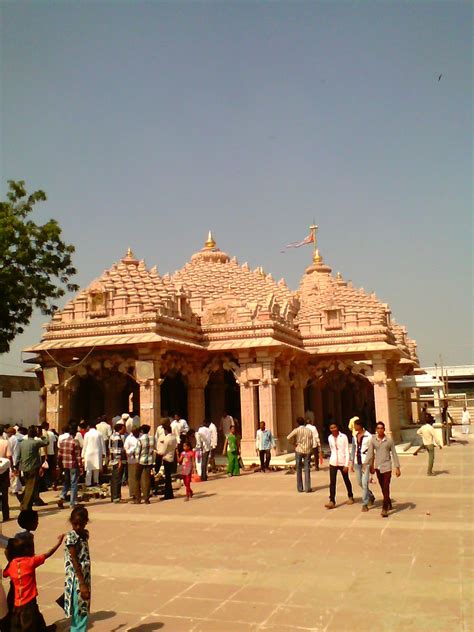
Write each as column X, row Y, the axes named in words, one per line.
column 70, row 463
column 21, row 570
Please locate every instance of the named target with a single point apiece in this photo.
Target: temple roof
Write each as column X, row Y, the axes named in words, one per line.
column 212, row 274
column 215, row 303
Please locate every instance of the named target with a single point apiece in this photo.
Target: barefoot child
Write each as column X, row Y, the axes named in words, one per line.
column 188, row 466
column 22, row 563
column 78, row 570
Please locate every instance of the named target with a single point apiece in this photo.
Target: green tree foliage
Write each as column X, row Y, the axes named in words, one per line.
column 35, row 264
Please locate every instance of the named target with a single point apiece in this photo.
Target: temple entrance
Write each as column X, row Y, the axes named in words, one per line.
column 345, row 395
column 88, row 399
column 174, row 396
column 222, row 393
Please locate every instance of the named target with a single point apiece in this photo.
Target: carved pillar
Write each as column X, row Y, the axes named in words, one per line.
column 148, row 377
column 318, row 408
column 285, row 420
column 297, row 398
column 385, row 396
column 196, row 400
column 248, row 411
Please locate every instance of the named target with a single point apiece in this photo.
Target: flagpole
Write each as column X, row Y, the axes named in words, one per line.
column 314, row 229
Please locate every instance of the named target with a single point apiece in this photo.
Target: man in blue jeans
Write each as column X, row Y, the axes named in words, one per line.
column 304, row 444
column 70, row 462
column 360, row 446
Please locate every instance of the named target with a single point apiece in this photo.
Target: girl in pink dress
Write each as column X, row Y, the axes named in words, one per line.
column 188, row 466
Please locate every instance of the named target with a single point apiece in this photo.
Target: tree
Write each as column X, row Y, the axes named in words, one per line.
column 35, row 263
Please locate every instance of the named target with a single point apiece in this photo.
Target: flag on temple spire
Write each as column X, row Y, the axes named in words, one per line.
column 307, row 240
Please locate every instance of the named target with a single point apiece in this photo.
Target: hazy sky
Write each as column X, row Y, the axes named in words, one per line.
column 147, row 123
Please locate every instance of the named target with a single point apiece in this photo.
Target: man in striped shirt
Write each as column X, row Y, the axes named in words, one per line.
column 304, row 443
column 145, row 455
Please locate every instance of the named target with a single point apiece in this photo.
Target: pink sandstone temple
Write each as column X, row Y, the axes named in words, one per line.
column 217, row 336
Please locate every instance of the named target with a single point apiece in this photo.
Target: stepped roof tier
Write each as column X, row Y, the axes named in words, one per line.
column 213, row 303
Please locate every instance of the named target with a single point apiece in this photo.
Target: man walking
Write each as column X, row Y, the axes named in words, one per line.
column 70, row 463
column 203, row 443
column 382, row 451
column 360, row 446
column 430, row 440
column 214, row 441
column 93, row 454
column 116, row 459
column 303, row 439
column 338, row 462
column 30, row 464
column 264, row 443
column 145, row 455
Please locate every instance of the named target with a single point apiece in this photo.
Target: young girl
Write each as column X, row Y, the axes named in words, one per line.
column 78, row 571
column 188, row 466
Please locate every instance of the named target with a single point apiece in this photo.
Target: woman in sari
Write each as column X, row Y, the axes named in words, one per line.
column 232, row 449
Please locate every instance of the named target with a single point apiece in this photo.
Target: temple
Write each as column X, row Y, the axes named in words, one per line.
column 218, row 336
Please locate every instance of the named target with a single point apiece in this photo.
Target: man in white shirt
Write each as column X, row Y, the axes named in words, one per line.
column 338, row 462
column 264, row 444
column 93, row 454
column 465, row 420
column 203, row 443
column 105, row 430
column 179, row 427
column 51, row 451
column 226, row 422
column 316, row 443
column 129, row 446
column 359, row 449
column 214, row 441
column 430, row 440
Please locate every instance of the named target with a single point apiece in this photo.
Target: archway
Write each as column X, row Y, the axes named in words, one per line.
column 174, row 395
column 222, row 393
column 345, row 395
column 88, row 401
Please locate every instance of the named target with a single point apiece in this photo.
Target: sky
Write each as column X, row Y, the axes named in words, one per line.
column 149, row 123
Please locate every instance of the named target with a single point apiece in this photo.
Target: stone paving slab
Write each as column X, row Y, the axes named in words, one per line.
column 251, row 554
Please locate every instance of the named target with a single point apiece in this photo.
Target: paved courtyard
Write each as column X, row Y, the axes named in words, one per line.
column 250, row 554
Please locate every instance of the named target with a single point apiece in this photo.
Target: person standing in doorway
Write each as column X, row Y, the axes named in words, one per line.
column 117, row 457
column 303, row 440
column 382, row 452
column 338, row 462
column 360, row 446
column 93, row 454
column 203, row 443
column 226, row 422
column 465, row 420
column 264, row 443
column 430, row 440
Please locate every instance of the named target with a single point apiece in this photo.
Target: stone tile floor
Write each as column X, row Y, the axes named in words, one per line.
column 251, row 554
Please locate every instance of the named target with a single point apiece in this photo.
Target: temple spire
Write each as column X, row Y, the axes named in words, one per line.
column 210, row 243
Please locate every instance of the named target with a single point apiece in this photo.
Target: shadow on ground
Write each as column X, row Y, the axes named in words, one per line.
column 147, row 627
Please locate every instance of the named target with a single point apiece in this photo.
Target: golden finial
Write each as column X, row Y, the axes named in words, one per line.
column 210, row 243
column 130, row 254
column 314, row 232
